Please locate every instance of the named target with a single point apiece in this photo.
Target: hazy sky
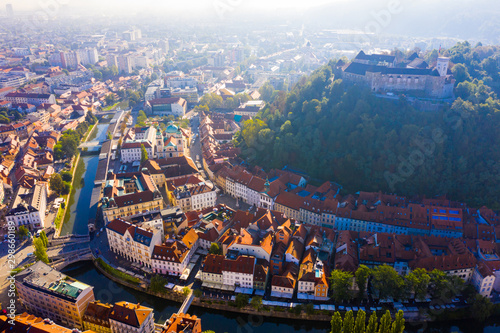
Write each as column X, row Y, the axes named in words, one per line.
column 165, row 4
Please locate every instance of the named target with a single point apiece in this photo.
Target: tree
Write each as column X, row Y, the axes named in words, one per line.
column 398, row 326
column 465, row 89
column 66, row 176
column 157, row 284
column 385, row 323
column 444, row 287
column 336, row 323
column 201, row 108
column 56, row 184
column 482, row 308
column 197, row 293
column 212, row 100
column 144, row 154
column 250, row 131
column 142, row 118
column 490, row 65
column 362, row 274
column 360, row 324
column 186, row 291
column 309, row 308
column 43, row 237
column 40, row 250
column 348, row 326
column 266, row 91
column 241, row 300
column 340, row 282
column 110, row 99
column 66, row 188
column 297, row 309
column 256, row 302
column 22, row 232
column 69, row 144
column 460, row 72
column 372, row 323
column 418, row 281
column 386, row 281
column 215, row 249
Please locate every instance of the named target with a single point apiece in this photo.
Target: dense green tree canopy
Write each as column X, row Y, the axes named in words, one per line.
column 346, row 134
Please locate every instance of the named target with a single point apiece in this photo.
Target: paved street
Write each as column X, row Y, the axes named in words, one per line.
column 20, row 259
column 195, row 148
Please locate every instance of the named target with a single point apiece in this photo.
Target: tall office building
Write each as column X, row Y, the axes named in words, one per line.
column 9, row 9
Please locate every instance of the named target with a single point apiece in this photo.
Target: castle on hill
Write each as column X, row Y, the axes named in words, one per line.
column 381, row 74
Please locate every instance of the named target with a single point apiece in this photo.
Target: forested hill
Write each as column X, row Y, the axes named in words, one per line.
column 345, row 134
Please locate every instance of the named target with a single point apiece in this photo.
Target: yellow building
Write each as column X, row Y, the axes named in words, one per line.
column 130, row 194
column 96, row 317
column 48, row 293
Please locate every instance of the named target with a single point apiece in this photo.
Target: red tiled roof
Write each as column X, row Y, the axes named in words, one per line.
column 242, row 264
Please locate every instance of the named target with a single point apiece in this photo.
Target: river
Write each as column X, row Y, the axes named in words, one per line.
column 84, row 184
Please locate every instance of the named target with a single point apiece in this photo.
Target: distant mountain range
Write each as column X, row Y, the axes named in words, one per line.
column 465, row 19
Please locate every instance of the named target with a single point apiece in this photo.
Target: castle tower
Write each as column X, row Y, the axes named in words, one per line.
column 442, row 65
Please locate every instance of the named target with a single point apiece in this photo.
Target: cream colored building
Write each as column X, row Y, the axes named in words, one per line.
column 132, row 242
column 47, row 293
column 130, row 195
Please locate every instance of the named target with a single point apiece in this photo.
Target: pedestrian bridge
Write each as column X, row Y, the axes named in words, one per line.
column 187, row 303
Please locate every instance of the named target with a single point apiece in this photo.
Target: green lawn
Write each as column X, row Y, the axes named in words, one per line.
column 122, row 105
column 117, row 273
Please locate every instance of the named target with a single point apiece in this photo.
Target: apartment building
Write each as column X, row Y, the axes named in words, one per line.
column 191, row 193
column 96, row 317
column 29, row 98
column 130, row 194
column 28, row 207
column 45, row 292
column 134, row 243
column 239, row 272
column 128, row 317
column 173, row 256
column 176, row 106
column 483, row 279
column 131, row 149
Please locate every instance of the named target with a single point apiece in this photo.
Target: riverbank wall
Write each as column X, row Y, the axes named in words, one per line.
column 220, row 305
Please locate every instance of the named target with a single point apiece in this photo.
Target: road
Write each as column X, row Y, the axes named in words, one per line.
column 195, row 148
column 20, row 259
